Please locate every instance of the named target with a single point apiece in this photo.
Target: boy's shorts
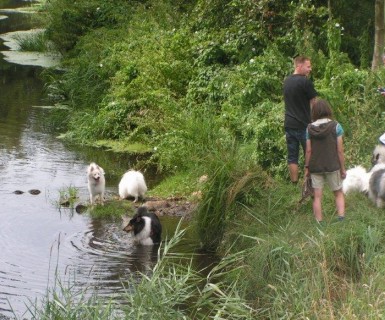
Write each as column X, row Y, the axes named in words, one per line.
column 333, row 179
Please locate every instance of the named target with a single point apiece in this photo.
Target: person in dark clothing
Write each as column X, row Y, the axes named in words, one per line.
column 299, row 94
column 324, row 160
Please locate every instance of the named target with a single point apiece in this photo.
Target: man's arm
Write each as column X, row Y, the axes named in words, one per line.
column 312, row 101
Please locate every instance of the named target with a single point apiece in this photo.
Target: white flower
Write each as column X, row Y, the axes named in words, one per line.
column 101, row 65
column 155, row 148
column 337, row 25
column 253, row 49
column 251, row 60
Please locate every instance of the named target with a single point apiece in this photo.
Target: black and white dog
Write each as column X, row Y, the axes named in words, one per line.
column 145, row 226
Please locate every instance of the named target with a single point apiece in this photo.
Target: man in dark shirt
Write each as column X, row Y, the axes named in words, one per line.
column 299, row 94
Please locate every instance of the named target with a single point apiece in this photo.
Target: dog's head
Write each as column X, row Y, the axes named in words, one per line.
column 136, row 224
column 378, row 154
column 95, row 172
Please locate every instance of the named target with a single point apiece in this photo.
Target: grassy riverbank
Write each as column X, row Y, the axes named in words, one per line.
column 199, row 84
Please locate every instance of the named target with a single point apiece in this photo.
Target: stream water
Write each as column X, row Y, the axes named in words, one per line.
column 39, row 241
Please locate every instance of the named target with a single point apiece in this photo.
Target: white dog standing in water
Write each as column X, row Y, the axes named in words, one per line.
column 132, row 184
column 96, row 182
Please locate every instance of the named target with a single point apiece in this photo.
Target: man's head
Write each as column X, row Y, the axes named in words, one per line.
column 302, row 65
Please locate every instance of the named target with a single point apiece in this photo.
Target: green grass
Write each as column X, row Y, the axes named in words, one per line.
column 68, row 196
column 297, row 269
column 123, row 146
column 182, row 184
column 112, row 209
column 36, row 42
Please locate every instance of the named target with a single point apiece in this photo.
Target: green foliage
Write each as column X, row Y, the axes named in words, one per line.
column 357, row 19
column 68, row 21
column 65, row 302
column 192, row 83
column 112, row 210
column 68, row 196
column 36, row 41
column 234, row 180
column 180, row 184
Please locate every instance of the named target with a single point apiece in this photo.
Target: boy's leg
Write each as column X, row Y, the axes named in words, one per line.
column 340, row 202
column 317, row 204
column 335, row 183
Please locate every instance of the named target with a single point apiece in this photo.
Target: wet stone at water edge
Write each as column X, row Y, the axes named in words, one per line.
column 80, row 208
column 34, row 191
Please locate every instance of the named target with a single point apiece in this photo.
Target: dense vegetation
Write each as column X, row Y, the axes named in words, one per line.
column 199, row 83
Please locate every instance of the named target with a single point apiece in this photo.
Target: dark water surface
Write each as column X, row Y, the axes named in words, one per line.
column 39, row 241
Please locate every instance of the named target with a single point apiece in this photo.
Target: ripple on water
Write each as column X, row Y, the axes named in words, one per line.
column 100, row 257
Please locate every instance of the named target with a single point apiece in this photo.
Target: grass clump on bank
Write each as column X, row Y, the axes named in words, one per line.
column 35, row 41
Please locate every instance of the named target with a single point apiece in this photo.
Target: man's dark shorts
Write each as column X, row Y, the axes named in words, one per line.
column 295, row 138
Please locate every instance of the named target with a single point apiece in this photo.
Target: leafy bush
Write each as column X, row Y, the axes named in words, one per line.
column 68, row 21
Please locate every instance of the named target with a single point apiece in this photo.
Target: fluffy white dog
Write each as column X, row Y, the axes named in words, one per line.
column 96, row 182
column 132, row 184
column 357, row 179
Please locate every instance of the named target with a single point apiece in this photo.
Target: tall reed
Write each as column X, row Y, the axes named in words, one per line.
column 233, row 180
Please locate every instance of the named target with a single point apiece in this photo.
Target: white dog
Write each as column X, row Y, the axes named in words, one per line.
column 357, row 179
column 132, row 184
column 96, row 182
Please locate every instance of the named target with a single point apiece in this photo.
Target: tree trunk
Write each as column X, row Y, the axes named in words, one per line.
column 379, row 34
